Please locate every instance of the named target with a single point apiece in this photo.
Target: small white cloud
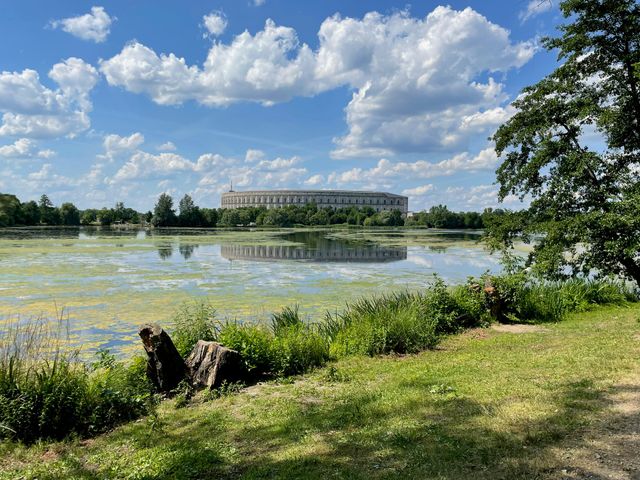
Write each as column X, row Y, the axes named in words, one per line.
column 258, row 3
column 253, row 156
column 215, row 23
column 48, row 153
column 93, row 26
column 314, row 180
column 115, row 145
column 24, row 148
column 167, row 147
column 418, row 191
column 20, row 148
column 534, row 8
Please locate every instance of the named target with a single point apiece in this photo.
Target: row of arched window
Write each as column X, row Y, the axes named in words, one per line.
column 304, row 200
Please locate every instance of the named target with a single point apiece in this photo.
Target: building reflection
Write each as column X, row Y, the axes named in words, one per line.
column 331, row 252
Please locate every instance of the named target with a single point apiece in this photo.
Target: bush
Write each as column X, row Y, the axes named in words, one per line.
column 193, row 321
column 296, row 349
column 46, row 392
column 253, row 343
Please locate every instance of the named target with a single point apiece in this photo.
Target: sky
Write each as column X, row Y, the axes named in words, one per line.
column 122, row 101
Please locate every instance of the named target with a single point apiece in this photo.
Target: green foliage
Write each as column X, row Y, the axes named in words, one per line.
column 163, row 213
column 255, row 345
column 10, row 210
column 439, row 216
column 190, row 214
column 223, row 390
column 287, row 318
column 49, row 215
column 69, row 214
column 46, row 392
column 193, row 321
column 389, row 323
column 298, row 349
column 585, row 210
column 524, row 298
column 89, row 216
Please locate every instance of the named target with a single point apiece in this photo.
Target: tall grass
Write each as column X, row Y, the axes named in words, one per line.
column 404, row 322
column 193, row 321
column 531, row 300
column 397, row 322
column 47, row 392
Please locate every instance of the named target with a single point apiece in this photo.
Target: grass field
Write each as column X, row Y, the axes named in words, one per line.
column 485, row 404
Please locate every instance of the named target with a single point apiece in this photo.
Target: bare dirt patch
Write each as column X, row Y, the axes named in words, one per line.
column 518, row 328
column 609, row 449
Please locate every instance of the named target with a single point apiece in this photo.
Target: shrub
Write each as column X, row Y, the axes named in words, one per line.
column 193, row 321
column 253, row 343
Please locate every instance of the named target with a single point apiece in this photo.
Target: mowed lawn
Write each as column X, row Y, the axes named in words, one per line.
column 485, row 404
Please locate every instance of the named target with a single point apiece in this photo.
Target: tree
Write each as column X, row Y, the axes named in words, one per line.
column 190, row 215
column 230, row 218
column 209, row 217
column 30, row 213
column 105, row 216
column 585, row 197
column 69, row 214
column 89, row 216
column 163, row 213
column 48, row 213
column 10, row 210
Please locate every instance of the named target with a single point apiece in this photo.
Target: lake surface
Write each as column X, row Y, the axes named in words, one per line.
column 107, row 282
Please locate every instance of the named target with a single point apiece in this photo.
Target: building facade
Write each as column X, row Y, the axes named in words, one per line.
column 379, row 201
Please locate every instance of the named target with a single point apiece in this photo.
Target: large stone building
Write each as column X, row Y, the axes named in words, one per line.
column 379, row 201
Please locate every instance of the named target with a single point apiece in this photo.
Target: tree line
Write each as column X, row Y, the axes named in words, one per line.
column 187, row 214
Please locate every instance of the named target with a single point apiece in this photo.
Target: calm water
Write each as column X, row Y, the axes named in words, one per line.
column 108, row 282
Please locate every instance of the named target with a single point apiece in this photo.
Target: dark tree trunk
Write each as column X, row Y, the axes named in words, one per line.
column 165, row 366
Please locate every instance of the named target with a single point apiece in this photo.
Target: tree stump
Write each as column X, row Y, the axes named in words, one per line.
column 165, row 366
column 210, row 364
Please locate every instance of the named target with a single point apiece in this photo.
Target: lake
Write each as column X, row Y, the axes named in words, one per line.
column 107, row 282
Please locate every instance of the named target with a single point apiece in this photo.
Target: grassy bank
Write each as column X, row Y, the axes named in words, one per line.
column 48, row 393
column 486, row 404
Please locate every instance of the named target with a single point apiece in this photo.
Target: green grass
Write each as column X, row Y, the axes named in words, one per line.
column 484, row 404
column 47, row 392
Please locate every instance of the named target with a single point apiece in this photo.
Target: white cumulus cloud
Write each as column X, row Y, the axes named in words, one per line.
column 420, row 84
column 115, row 145
column 24, row 148
column 32, row 110
column 314, row 180
column 215, row 23
column 94, row 26
column 386, row 171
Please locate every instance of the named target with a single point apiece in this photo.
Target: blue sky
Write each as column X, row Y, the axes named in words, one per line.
column 123, row 100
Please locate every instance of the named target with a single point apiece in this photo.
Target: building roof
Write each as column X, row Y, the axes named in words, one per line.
column 315, row 192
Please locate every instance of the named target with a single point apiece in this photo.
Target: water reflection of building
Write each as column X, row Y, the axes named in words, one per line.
column 337, row 252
